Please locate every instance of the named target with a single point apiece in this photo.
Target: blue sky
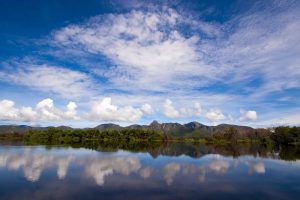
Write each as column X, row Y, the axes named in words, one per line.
column 82, row 63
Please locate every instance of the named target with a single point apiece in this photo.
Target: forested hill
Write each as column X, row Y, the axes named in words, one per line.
column 172, row 129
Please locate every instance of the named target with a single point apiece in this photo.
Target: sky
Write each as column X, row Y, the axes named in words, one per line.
column 82, row 63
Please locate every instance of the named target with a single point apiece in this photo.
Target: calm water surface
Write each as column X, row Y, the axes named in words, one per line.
column 38, row 172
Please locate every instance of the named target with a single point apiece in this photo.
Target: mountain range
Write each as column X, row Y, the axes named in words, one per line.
column 173, row 129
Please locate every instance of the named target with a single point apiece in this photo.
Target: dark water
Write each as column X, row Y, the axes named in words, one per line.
column 39, row 172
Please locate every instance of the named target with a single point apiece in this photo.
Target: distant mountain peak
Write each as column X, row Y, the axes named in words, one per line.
column 154, row 122
column 193, row 125
column 108, row 126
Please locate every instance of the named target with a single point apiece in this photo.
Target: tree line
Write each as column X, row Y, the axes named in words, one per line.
column 282, row 135
column 58, row 136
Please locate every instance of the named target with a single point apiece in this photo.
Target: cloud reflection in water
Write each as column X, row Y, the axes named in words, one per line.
column 100, row 166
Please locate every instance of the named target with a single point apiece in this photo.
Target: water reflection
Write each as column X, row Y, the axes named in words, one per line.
column 170, row 170
column 145, row 172
column 33, row 163
column 257, row 167
column 101, row 166
column 62, row 166
column 84, row 170
column 217, row 165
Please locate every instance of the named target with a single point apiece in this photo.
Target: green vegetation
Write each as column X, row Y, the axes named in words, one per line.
column 280, row 136
column 285, row 135
column 232, row 135
column 107, row 140
column 11, row 137
column 283, row 140
column 73, row 136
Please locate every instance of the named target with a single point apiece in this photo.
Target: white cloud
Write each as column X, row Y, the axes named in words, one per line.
column 44, row 111
column 7, row 110
column 259, row 48
column 292, row 119
column 105, row 111
column 249, row 115
column 48, row 111
column 58, row 80
column 146, row 55
column 196, row 110
column 71, row 111
column 147, row 109
column 150, row 52
column 171, row 112
column 215, row 115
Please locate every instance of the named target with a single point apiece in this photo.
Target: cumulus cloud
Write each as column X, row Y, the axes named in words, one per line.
column 171, row 112
column 196, row 110
column 147, row 109
column 71, row 111
column 44, row 111
column 8, row 111
column 105, row 111
column 215, row 115
column 249, row 115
